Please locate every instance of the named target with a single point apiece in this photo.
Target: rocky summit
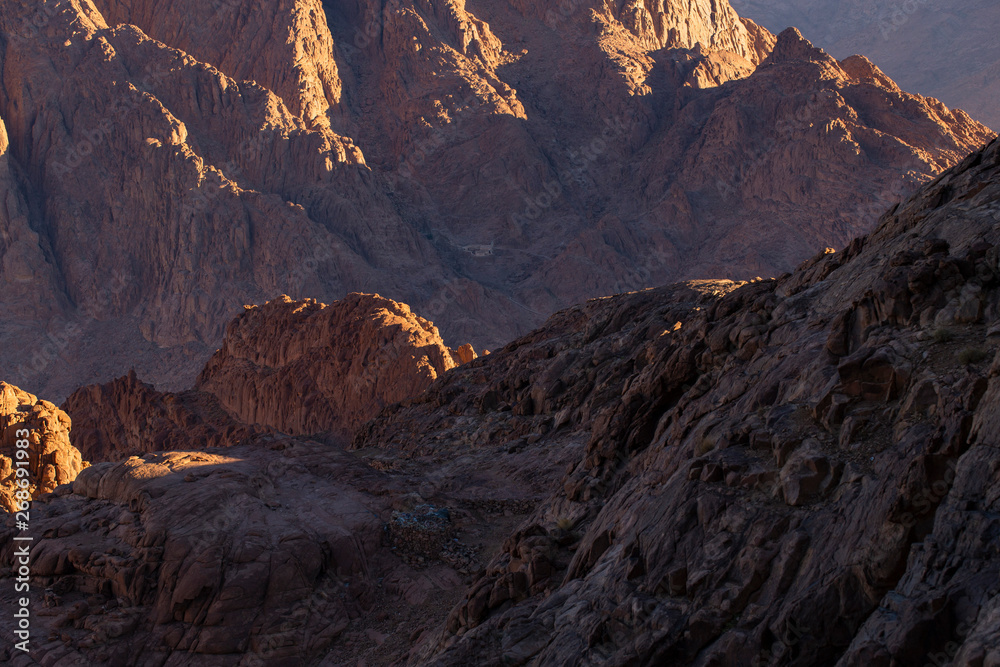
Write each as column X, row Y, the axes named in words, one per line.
column 790, row 471
column 491, row 162
column 944, row 48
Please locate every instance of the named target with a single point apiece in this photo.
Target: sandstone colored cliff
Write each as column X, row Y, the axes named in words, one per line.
column 488, row 164
column 51, row 459
column 302, row 367
column 781, row 472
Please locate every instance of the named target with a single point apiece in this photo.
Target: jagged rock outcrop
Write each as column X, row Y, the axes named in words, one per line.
column 795, row 471
column 285, row 46
column 298, row 367
column 126, row 417
column 943, row 49
column 49, row 459
column 302, row 367
column 488, row 167
column 785, row 472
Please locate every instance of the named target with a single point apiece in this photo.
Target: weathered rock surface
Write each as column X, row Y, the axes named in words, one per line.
column 50, row 458
column 285, row 46
column 488, row 164
column 296, row 367
column 795, row 471
column 126, row 417
column 278, row 550
column 943, row 49
column 302, row 367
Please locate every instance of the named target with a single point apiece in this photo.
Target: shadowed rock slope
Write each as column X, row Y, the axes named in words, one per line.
column 126, row 417
column 296, row 367
column 487, row 162
column 800, row 471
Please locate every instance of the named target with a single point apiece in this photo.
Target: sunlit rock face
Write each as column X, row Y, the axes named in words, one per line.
column 34, row 438
column 488, row 163
column 941, row 49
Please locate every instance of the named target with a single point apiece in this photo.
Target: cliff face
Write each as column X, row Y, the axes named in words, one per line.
column 488, row 164
column 302, row 367
column 285, row 46
column 51, row 459
column 126, row 417
column 785, row 472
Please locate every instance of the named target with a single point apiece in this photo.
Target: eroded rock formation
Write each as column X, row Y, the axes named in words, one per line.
column 302, row 367
column 126, row 417
column 488, row 164
column 50, row 458
column 783, row 472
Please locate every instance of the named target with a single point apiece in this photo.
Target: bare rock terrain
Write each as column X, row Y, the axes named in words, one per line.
column 489, row 162
column 127, row 417
column 292, row 367
column 792, row 471
column 302, row 367
column 943, row 49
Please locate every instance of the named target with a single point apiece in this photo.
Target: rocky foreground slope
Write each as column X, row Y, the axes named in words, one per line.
column 800, row 471
column 488, row 162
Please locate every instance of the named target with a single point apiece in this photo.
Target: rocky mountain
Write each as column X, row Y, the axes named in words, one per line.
column 165, row 163
column 792, row 471
column 945, row 49
column 304, row 367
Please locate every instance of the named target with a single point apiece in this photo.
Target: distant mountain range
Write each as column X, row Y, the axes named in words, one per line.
column 165, row 163
column 946, row 49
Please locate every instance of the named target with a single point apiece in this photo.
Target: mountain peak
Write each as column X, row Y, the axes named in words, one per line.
column 791, row 45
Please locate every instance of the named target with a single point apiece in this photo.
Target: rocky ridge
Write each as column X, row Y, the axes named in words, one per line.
column 784, row 472
column 127, row 417
column 942, row 49
column 292, row 367
column 435, row 152
column 797, row 471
